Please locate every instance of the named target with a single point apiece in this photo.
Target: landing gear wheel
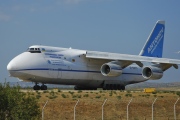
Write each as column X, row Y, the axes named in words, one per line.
column 36, row 87
column 43, row 87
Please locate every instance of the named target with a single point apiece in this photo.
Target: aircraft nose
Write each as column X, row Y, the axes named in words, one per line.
column 14, row 66
column 11, row 66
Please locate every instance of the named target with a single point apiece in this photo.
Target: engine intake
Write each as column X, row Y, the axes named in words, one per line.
column 153, row 73
column 110, row 69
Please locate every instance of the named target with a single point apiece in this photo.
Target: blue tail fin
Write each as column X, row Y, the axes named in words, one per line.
column 154, row 44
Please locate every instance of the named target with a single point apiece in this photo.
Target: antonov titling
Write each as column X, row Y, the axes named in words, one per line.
column 89, row 70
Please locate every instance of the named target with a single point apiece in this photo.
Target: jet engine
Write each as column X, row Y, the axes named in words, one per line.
column 153, row 73
column 111, row 69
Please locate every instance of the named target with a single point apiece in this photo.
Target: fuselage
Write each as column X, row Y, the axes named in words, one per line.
column 54, row 65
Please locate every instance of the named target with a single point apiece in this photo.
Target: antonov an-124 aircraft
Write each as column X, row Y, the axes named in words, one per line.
column 89, row 70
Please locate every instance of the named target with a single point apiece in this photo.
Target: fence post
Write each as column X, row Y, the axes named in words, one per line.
column 153, row 109
column 43, row 110
column 128, row 109
column 75, row 110
column 175, row 108
column 103, row 109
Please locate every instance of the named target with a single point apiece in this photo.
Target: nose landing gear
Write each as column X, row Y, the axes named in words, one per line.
column 42, row 87
column 36, row 87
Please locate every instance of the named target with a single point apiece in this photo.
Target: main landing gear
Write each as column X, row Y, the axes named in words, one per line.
column 42, row 87
column 113, row 87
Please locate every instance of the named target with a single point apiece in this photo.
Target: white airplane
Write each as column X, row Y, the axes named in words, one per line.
column 91, row 69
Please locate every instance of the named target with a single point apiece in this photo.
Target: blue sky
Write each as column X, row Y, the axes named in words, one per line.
column 120, row 26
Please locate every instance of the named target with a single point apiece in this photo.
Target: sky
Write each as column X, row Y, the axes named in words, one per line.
column 118, row 26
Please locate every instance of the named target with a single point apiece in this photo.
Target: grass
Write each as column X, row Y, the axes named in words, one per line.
column 61, row 105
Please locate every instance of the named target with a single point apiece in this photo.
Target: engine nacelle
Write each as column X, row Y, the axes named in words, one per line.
column 111, row 69
column 153, row 73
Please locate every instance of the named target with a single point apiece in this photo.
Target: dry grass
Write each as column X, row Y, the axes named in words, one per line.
column 61, row 104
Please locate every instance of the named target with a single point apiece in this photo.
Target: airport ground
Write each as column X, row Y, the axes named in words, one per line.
column 60, row 105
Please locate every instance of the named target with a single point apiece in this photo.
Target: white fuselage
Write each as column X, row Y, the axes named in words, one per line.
column 69, row 67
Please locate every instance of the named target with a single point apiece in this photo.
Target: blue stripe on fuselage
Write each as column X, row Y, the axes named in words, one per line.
column 90, row 71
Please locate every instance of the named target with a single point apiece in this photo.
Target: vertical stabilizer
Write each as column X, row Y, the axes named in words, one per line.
column 154, row 44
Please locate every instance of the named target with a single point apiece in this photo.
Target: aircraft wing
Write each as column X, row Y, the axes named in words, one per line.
column 124, row 58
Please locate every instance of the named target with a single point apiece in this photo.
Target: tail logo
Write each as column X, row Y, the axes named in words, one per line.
column 156, row 41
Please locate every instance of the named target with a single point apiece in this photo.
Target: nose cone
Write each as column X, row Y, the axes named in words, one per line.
column 11, row 66
column 14, row 66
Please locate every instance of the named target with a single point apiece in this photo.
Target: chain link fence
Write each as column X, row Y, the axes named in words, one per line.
column 140, row 108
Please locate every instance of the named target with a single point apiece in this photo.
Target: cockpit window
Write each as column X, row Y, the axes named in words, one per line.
column 31, row 49
column 34, row 50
